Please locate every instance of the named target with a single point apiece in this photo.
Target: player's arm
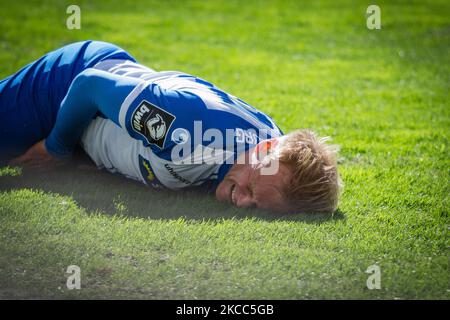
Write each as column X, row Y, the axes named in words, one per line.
column 115, row 97
column 92, row 92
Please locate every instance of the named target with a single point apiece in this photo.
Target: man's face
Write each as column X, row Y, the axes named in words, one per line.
column 245, row 186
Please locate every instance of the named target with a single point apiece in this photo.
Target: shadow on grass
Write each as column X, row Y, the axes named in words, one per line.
column 100, row 191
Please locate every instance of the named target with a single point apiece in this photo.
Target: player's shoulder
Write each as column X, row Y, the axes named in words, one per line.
column 219, row 107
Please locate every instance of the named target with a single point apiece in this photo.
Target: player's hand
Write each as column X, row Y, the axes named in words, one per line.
column 35, row 157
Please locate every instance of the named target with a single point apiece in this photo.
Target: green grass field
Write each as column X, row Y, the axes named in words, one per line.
column 381, row 94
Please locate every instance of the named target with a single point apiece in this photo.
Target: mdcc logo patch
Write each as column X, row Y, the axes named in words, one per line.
column 152, row 123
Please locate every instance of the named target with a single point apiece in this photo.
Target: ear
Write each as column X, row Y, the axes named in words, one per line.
column 265, row 148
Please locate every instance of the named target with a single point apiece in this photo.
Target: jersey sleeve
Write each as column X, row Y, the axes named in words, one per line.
column 91, row 93
column 151, row 113
column 142, row 108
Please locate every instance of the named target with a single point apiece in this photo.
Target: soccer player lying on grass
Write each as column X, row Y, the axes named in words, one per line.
column 167, row 129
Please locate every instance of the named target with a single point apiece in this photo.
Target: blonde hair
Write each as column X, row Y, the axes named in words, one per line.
column 315, row 184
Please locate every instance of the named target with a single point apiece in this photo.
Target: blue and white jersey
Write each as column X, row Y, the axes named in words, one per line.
column 174, row 130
